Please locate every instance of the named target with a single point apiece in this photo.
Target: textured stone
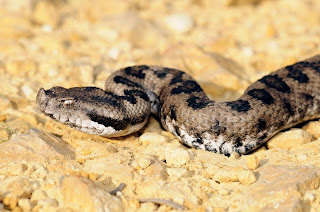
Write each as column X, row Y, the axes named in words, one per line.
column 144, row 162
column 150, row 137
column 176, row 157
column 313, row 128
column 156, row 171
column 290, row 139
column 36, row 146
column 181, row 23
column 20, row 188
column 177, row 173
column 285, row 186
column 45, row 13
column 252, row 162
column 2, row 118
column 224, row 175
column 246, row 177
column 4, row 135
column 25, row 204
column 87, row 196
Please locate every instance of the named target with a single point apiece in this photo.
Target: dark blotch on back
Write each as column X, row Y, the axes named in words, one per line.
column 197, row 102
column 125, row 81
column 177, row 78
column 262, row 95
column 108, row 122
column 273, row 81
column 136, row 71
column 296, row 72
column 132, row 93
column 308, row 97
column 89, row 89
column 105, row 100
column 239, row 105
column 189, row 86
column 162, row 73
column 138, row 120
column 288, row 107
column 261, row 125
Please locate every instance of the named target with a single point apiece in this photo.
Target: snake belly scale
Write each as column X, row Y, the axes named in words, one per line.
column 277, row 101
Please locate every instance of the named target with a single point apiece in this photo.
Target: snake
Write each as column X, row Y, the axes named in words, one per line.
column 277, row 101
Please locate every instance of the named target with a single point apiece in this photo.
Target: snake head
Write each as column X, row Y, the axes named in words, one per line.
column 53, row 101
column 88, row 109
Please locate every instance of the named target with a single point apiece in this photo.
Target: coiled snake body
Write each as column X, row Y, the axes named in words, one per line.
column 277, row 101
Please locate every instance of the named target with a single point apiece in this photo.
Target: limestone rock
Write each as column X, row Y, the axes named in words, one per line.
column 177, row 156
column 37, row 146
column 313, row 128
column 87, row 196
column 289, row 139
column 180, row 23
column 284, row 185
column 45, row 13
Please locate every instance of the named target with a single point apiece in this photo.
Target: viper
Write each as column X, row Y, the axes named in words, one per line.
column 278, row 101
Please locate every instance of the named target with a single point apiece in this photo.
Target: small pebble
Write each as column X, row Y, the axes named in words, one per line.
column 181, row 23
column 10, row 201
column 4, row 135
column 176, row 157
column 3, row 118
column 313, row 128
column 38, row 194
column 177, row 173
column 149, row 137
column 223, row 191
column 289, row 139
column 25, row 204
column 48, row 202
column 226, row 176
column 144, row 162
column 247, row 177
column 252, row 162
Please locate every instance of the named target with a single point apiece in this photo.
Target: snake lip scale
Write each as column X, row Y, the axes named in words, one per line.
column 275, row 102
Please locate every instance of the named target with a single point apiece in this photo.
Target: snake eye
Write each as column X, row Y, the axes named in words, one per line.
column 67, row 101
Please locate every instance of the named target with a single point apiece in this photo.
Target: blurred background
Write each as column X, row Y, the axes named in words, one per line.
column 224, row 44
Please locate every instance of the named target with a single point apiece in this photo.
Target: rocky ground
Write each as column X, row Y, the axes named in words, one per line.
column 224, row 44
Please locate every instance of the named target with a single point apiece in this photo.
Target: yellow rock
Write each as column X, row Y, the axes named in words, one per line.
column 177, row 173
column 227, row 175
column 176, row 156
column 247, row 177
column 289, row 139
column 313, row 128
column 4, row 135
column 25, row 204
column 45, row 13
column 87, row 196
column 252, row 162
column 156, row 171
